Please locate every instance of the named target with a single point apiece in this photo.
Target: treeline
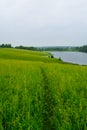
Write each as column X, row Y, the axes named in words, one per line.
column 57, row 48
column 83, row 48
column 54, row 48
column 5, row 46
column 26, row 48
column 18, row 47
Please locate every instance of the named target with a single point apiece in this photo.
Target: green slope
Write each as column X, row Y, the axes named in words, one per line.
column 19, row 54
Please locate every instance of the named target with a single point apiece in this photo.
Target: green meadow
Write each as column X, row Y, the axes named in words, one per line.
column 41, row 93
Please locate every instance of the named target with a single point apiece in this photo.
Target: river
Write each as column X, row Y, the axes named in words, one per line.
column 71, row 57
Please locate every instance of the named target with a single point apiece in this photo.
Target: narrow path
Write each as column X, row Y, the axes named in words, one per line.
column 48, row 114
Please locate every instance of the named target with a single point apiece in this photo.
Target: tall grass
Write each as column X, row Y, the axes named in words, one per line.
column 68, row 85
column 35, row 95
column 21, row 96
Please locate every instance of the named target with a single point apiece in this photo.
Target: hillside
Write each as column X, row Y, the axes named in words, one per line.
column 41, row 93
column 27, row 55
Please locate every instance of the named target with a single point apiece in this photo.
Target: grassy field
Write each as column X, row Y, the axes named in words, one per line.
column 40, row 93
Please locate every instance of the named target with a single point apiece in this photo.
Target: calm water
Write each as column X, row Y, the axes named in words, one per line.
column 72, row 57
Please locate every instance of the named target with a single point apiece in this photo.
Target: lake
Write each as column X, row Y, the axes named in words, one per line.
column 72, row 57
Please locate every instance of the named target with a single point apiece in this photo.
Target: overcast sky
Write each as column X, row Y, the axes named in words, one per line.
column 43, row 22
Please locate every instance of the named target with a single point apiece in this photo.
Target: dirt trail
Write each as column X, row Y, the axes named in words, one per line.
column 48, row 114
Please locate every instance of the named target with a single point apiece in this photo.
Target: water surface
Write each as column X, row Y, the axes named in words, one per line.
column 72, row 57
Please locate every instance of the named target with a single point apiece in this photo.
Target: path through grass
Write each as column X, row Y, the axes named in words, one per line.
column 48, row 112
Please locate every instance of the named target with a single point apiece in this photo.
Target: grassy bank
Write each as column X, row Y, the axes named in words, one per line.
column 40, row 93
